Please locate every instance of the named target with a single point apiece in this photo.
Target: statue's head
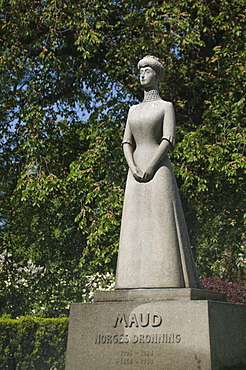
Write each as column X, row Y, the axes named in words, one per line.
column 154, row 63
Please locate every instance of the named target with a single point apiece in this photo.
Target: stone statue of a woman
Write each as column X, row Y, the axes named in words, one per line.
column 154, row 249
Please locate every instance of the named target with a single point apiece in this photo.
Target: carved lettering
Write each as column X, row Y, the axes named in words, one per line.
column 138, row 338
column 144, row 320
column 178, row 338
column 171, row 338
column 121, row 319
column 156, row 321
column 137, row 320
column 148, row 338
column 112, row 339
column 156, row 338
column 121, row 339
column 109, row 339
column 133, row 321
column 141, row 338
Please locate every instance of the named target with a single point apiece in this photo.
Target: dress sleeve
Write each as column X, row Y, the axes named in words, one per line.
column 169, row 124
column 128, row 138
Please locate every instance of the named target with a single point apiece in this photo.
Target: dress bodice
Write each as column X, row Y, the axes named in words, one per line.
column 147, row 124
column 146, row 121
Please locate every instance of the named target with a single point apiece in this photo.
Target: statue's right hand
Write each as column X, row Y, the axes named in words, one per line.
column 137, row 173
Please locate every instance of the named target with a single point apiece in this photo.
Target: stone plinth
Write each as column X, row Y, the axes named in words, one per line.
column 163, row 294
column 171, row 329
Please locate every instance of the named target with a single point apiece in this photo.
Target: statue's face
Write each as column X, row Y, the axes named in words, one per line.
column 148, row 77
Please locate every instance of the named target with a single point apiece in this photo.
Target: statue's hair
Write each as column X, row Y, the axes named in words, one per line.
column 153, row 62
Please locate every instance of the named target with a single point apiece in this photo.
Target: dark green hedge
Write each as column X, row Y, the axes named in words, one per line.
column 37, row 344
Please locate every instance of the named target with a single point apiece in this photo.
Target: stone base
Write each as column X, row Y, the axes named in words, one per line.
column 137, row 329
column 153, row 294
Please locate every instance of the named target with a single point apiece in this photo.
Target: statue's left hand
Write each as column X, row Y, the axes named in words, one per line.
column 148, row 174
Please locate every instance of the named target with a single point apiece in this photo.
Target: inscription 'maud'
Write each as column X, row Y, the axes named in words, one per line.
column 138, row 320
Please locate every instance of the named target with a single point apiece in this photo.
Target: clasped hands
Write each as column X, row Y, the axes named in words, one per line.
column 145, row 176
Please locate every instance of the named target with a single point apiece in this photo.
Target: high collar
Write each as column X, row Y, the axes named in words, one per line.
column 152, row 94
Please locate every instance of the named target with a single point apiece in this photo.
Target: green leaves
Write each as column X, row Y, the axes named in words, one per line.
column 36, row 343
column 68, row 78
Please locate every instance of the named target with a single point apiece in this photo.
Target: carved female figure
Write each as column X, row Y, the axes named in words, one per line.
column 154, row 249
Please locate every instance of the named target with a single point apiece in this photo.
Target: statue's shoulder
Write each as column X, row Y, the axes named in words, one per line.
column 166, row 104
column 132, row 108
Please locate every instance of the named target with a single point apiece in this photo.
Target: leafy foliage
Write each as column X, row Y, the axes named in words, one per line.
column 36, row 343
column 68, row 76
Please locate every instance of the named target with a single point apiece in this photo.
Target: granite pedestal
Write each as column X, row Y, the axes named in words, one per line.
column 171, row 329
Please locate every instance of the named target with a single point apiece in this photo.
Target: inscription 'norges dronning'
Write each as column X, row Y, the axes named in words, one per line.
column 138, row 338
column 138, row 320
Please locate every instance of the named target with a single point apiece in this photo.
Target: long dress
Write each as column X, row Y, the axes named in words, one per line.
column 154, row 249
